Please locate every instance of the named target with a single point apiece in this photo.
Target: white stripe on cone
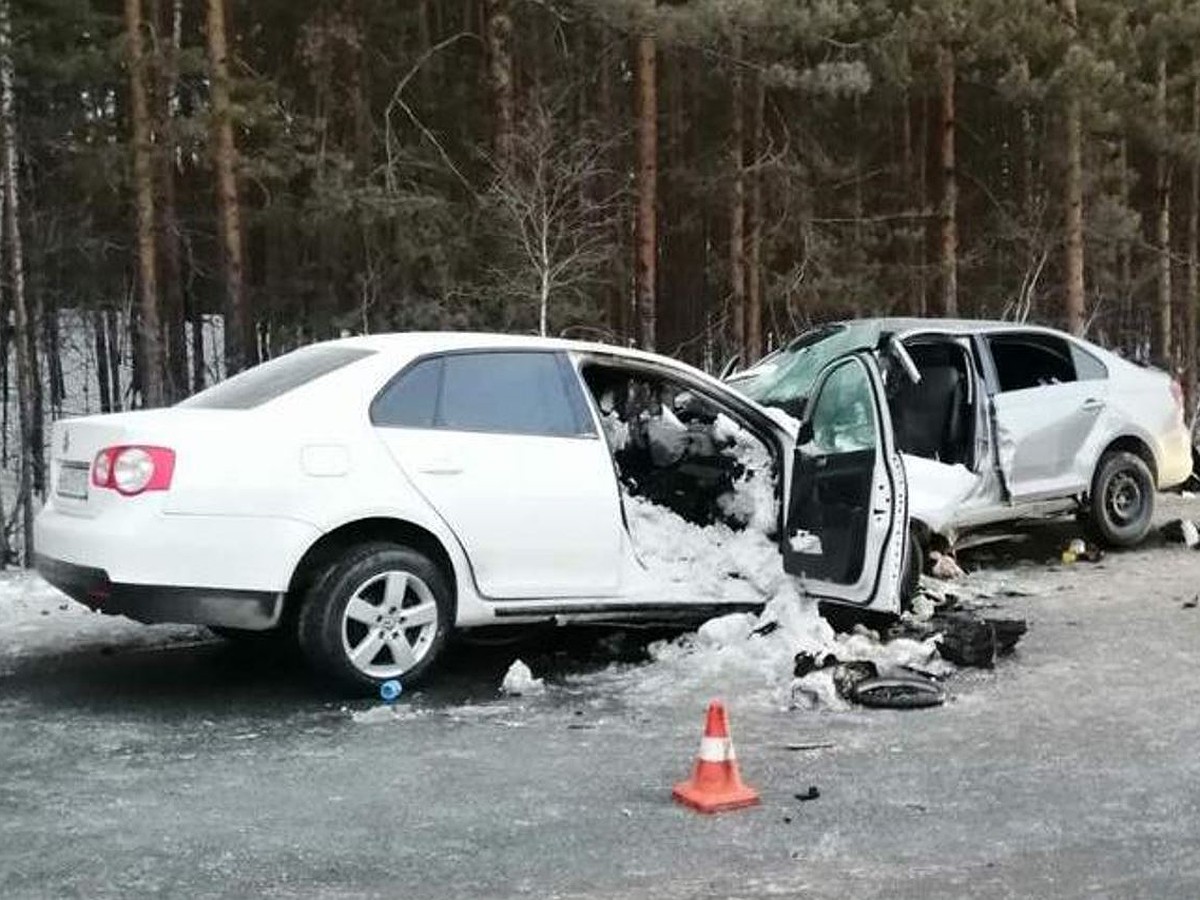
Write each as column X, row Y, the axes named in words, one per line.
column 715, row 749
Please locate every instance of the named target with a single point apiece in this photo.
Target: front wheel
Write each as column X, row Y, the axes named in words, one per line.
column 1122, row 499
column 381, row 612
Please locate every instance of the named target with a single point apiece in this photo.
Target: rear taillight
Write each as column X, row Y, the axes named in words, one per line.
column 1177, row 393
column 133, row 469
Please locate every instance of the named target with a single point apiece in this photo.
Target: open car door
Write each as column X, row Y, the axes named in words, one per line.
column 846, row 528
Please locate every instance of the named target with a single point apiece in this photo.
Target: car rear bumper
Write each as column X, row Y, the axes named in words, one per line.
column 250, row 610
column 1175, row 466
column 139, row 545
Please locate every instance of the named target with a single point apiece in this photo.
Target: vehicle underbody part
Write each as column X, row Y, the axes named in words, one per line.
column 244, row 610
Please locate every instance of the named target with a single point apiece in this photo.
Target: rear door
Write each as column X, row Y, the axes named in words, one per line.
column 503, row 446
column 1049, row 397
column 847, row 518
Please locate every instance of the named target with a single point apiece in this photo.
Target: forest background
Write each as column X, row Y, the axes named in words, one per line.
column 192, row 186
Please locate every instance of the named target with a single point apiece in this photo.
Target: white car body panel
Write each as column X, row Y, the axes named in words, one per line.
column 254, row 490
column 505, row 495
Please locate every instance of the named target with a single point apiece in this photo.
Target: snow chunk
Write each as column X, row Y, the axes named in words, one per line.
column 753, row 658
column 684, row 562
column 519, row 681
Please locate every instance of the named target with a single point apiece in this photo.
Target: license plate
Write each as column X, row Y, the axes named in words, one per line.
column 72, row 481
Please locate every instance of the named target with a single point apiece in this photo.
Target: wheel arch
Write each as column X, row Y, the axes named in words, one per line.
column 332, row 544
column 1130, row 443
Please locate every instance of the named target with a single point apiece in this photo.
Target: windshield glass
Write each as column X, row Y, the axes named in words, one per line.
column 789, row 373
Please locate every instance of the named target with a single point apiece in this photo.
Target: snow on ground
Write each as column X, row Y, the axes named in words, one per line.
column 37, row 618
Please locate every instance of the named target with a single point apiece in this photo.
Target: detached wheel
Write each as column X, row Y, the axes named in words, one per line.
column 1122, row 499
column 382, row 611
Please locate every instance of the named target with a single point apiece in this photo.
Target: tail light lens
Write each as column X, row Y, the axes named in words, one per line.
column 133, row 469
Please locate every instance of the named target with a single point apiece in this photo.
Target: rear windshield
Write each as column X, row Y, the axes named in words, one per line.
column 273, row 379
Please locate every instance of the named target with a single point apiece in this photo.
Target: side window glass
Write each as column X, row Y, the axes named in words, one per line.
column 1087, row 367
column 411, row 400
column 511, row 393
column 1033, row 360
column 843, row 420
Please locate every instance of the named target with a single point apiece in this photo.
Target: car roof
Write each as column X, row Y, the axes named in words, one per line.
column 420, row 342
column 904, row 324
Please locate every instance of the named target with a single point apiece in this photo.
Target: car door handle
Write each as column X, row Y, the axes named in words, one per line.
column 440, row 467
column 1092, row 405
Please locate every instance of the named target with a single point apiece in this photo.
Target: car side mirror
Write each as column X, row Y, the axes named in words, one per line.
column 805, row 434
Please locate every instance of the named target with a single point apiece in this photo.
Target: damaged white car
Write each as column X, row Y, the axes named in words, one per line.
column 371, row 495
column 1002, row 421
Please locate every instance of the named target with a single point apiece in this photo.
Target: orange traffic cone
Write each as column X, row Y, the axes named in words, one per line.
column 715, row 784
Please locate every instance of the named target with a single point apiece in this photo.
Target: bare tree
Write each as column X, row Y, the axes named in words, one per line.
column 559, row 229
column 16, row 274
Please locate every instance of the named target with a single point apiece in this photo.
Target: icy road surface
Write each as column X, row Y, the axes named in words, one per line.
column 142, row 761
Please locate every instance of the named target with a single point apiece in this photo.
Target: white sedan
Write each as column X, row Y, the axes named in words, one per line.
column 371, row 495
column 1004, row 421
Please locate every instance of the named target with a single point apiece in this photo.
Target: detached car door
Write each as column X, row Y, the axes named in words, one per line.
column 503, row 446
column 846, row 527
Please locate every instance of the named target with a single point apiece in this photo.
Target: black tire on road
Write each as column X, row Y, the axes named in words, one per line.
column 330, row 630
column 1121, row 505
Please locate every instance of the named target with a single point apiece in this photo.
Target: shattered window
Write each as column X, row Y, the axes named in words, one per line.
column 793, row 370
column 1031, row 360
column 680, row 451
column 843, row 420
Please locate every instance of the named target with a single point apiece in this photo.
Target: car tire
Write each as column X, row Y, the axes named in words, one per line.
column 381, row 612
column 914, row 567
column 1121, row 505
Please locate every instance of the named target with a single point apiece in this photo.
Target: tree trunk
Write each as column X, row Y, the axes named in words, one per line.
column 150, row 332
column 238, row 334
column 26, row 346
column 646, row 222
column 1193, row 257
column 754, row 318
column 114, row 358
column 618, row 293
column 1160, row 345
column 1074, row 297
column 737, row 205
column 199, row 378
column 169, row 20
column 500, row 81
column 99, row 331
column 432, row 67
column 1130, row 330
column 949, row 212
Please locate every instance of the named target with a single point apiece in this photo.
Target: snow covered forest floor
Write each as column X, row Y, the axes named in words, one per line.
column 138, row 759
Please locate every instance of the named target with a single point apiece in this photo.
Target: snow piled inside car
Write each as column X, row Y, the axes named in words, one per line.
column 702, row 507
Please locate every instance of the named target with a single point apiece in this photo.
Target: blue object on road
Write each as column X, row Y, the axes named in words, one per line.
column 390, row 690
